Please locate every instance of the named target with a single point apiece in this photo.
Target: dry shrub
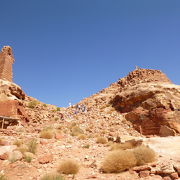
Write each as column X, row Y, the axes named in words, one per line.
column 3, row 177
column 32, row 146
column 82, row 137
column 86, row 146
column 101, row 140
column 68, row 167
column 18, row 142
column 54, row 176
column 118, row 161
column 126, row 145
column 23, row 148
column 47, row 133
column 76, row 131
column 144, row 155
column 72, row 125
column 32, row 104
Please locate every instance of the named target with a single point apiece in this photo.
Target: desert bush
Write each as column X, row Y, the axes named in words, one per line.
column 47, row 133
column 68, row 167
column 23, row 148
column 73, row 124
column 3, row 177
column 101, row 140
column 32, row 146
column 58, row 109
column 75, row 131
column 86, row 146
column 44, row 105
column 126, row 145
column 32, row 104
column 144, row 155
column 82, row 137
column 14, row 156
column 18, row 142
column 118, row 161
column 28, row 157
column 56, row 118
column 52, row 177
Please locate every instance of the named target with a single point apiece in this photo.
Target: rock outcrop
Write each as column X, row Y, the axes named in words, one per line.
column 150, row 101
column 11, row 101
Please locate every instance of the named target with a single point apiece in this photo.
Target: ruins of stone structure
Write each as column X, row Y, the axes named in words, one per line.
column 6, row 61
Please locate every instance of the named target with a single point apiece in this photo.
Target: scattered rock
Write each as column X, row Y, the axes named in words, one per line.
column 47, row 158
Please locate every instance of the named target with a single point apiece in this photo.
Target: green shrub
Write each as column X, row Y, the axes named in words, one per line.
column 32, row 104
column 144, row 155
column 118, row 161
column 52, row 177
column 32, row 146
column 101, row 140
column 68, row 167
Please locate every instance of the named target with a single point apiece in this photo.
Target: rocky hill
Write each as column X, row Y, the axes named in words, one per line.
column 145, row 100
column 137, row 109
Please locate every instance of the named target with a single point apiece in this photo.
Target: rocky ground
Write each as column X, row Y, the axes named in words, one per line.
column 144, row 105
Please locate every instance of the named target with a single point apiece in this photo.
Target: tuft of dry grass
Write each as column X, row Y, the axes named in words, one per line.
column 32, row 104
column 68, row 167
column 18, row 142
column 32, row 146
column 82, row 137
column 126, row 145
column 3, row 177
column 54, row 176
column 101, row 140
column 76, row 131
column 86, row 146
column 144, row 155
column 23, row 148
column 47, row 133
column 118, row 161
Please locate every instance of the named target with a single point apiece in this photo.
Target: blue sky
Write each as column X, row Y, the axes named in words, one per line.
column 66, row 50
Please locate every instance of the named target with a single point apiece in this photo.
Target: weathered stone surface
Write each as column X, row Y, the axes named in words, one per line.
column 5, row 151
column 6, row 61
column 13, row 109
column 149, row 101
column 10, row 91
column 174, row 175
column 143, row 174
column 47, row 158
column 166, row 131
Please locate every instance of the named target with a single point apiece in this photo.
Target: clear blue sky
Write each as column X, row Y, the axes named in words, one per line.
column 66, row 50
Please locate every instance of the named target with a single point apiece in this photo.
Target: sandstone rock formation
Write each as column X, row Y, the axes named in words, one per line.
column 6, row 61
column 11, row 95
column 150, row 101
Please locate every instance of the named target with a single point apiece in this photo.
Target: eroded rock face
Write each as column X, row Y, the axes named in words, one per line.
column 11, row 91
column 149, row 101
column 11, row 104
